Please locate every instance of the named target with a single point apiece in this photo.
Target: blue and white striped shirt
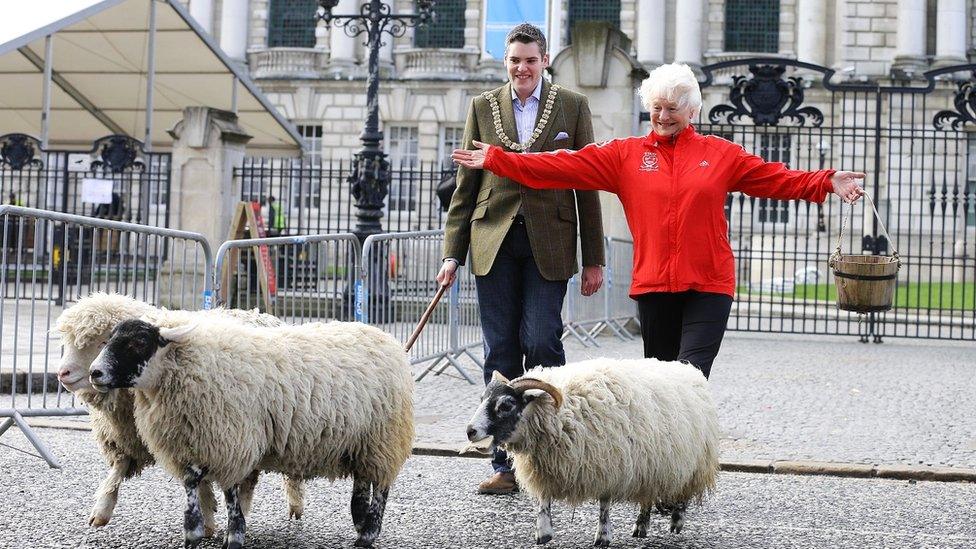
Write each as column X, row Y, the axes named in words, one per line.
column 525, row 115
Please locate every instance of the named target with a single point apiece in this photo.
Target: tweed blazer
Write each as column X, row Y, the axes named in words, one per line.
column 484, row 205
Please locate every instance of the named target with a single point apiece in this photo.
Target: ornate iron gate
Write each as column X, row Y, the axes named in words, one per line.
column 918, row 148
column 116, row 180
column 56, row 180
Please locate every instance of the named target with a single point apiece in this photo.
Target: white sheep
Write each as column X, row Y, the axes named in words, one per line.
column 640, row 431
column 84, row 328
column 222, row 399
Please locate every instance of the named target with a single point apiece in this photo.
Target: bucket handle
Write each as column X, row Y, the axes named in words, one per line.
column 832, row 262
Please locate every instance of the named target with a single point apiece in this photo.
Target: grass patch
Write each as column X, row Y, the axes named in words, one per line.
column 913, row 295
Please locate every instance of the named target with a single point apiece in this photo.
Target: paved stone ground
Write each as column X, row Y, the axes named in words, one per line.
column 433, row 505
column 781, row 396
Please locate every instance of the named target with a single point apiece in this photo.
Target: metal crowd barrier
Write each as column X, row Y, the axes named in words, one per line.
column 295, row 278
column 611, row 308
column 49, row 260
column 620, row 308
column 398, row 284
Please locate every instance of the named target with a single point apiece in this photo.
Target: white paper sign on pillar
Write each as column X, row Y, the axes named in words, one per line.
column 96, row 191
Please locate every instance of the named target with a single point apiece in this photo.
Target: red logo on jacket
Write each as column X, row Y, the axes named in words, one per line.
column 649, row 162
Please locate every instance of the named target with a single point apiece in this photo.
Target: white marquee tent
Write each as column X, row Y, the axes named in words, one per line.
column 114, row 61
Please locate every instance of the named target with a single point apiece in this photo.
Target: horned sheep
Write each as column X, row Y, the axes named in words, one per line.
column 607, row 430
column 318, row 400
column 83, row 329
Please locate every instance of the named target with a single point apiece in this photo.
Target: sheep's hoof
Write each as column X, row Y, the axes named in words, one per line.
column 190, row 543
column 676, row 526
column 98, row 521
column 640, row 531
column 601, row 542
column 295, row 513
column 544, row 539
column 364, row 541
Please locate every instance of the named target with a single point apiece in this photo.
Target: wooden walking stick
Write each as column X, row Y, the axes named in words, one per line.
column 424, row 317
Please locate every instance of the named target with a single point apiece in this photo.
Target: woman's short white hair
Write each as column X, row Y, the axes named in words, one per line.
column 673, row 82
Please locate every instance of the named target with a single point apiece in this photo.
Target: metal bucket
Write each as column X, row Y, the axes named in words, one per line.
column 865, row 283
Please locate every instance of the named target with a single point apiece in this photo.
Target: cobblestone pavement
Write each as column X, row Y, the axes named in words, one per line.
column 794, row 397
column 433, row 505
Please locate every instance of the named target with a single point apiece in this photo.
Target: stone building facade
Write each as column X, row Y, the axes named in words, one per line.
column 315, row 74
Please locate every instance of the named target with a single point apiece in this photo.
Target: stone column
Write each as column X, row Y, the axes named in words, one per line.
column 811, row 31
column 650, row 32
column 950, row 38
column 557, row 22
column 910, row 61
column 342, row 48
column 202, row 11
column 233, row 28
column 207, row 144
column 689, row 20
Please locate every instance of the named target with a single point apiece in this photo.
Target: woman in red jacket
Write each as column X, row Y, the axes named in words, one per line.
column 673, row 184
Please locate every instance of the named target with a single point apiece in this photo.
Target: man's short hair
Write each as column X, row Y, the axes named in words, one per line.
column 527, row 34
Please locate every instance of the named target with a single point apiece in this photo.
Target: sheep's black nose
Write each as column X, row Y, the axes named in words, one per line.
column 471, row 433
column 95, row 374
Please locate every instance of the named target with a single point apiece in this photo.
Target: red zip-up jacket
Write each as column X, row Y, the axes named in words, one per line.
column 673, row 191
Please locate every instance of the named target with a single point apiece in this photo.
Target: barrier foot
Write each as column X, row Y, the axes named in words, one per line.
column 619, row 330
column 457, row 366
column 433, row 364
column 476, row 360
column 32, row 437
column 597, row 329
column 581, row 335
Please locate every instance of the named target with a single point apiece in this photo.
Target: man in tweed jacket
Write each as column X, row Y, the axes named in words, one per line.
column 523, row 241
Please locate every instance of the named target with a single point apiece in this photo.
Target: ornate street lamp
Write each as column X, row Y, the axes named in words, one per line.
column 371, row 173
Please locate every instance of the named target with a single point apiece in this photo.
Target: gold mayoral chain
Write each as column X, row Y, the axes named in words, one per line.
column 496, row 116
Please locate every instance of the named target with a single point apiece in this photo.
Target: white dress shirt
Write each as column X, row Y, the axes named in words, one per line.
column 525, row 115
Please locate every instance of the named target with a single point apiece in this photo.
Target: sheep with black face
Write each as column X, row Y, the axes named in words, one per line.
column 318, row 400
column 83, row 329
column 606, row 430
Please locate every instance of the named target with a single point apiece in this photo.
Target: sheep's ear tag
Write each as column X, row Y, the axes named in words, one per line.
column 495, row 376
column 177, row 334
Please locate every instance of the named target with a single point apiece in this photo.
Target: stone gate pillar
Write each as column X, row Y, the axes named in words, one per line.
column 208, row 144
column 597, row 65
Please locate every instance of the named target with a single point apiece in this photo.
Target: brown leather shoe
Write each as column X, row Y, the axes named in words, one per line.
column 499, row 483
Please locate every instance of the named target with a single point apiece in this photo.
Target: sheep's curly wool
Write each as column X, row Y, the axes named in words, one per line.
column 317, row 400
column 643, row 431
column 83, row 327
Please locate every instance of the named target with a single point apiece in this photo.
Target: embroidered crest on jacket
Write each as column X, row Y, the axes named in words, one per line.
column 649, row 162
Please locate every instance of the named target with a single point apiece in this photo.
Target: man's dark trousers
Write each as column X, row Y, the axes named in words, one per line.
column 520, row 316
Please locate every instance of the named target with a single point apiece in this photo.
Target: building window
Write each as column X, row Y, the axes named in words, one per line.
column 593, row 10
column 453, row 138
column 291, row 24
column 306, row 184
column 752, row 25
column 313, row 141
column 774, row 147
column 447, row 29
column 402, row 147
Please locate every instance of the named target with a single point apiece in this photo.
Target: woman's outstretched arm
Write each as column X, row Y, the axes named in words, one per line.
column 594, row 167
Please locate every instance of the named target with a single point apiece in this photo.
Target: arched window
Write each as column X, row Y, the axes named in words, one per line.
column 447, row 29
column 593, row 10
column 752, row 25
column 291, row 24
